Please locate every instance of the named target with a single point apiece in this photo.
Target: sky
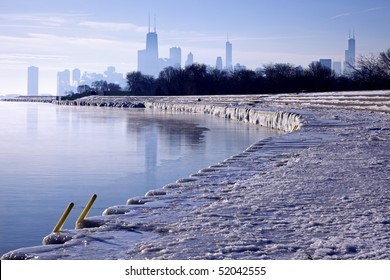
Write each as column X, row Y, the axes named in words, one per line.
column 92, row 35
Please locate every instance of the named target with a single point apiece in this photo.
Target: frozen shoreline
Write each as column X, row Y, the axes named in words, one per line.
column 320, row 192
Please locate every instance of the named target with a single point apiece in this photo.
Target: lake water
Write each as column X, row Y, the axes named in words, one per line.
column 51, row 155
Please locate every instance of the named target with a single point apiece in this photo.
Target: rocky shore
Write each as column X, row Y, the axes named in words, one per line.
column 320, row 191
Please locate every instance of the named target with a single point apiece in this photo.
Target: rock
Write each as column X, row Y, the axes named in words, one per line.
column 56, row 238
column 89, row 223
column 155, row 193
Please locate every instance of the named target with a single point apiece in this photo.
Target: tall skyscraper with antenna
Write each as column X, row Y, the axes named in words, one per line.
column 229, row 65
column 148, row 58
column 350, row 54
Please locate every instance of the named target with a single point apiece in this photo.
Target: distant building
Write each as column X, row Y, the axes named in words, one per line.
column 175, row 57
column 350, row 55
column 111, row 76
column 326, row 63
column 88, row 78
column 76, row 77
column 164, row 63
column 228, row 61
column 190, row 59
column 63, row 82
column 32, row 80
column 337, row 67
column 239, row 67
column 218, row 64
column 148, row 62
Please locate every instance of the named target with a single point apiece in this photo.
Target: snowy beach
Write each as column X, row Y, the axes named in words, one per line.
column 320, row 191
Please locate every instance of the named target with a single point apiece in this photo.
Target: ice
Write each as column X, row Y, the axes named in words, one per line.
column 320, row 192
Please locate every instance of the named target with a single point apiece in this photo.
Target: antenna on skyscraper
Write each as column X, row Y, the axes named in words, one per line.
column 154, row 23
column 149, row 23
column 351, row 34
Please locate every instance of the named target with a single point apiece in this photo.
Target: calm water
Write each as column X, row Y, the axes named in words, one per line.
column 52, row 155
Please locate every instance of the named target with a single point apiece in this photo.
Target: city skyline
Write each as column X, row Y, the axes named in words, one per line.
column 68, row 81
column 91, row 36
column 149, row 62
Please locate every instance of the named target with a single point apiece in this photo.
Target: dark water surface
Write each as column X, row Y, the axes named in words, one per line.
column 52, row 155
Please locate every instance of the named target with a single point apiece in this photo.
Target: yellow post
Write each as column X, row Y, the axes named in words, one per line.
column 86, row 209
column 62, row 220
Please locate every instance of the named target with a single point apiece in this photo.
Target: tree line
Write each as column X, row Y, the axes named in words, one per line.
column 371, row 72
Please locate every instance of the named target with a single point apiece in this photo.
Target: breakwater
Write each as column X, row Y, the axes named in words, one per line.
column 41, row 99
column 221, row 106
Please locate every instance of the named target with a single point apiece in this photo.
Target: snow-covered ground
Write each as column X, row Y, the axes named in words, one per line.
column 320, row 192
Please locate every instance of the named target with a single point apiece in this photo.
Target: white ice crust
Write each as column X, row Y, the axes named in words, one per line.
column 319, row 192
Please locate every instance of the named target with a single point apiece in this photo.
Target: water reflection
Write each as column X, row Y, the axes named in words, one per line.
column 160, row 139
column 165, row 133
column 32, row 120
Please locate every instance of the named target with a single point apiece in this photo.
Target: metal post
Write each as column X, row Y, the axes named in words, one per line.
column 86, row 210
column 62, row 220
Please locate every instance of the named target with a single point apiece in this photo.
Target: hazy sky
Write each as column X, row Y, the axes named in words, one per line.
column 91, row 35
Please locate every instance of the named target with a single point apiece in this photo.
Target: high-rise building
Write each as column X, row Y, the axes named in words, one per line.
column 218, row 64
column 76, row 77
column 190, row 59
column 32, row 80
column 148, row 59
column 239, row 67
column 337, row 67
column 325, row 62
column 350, row 55
column 229, row 65
column 175, row 57
column 111, row 76
column 63, row 82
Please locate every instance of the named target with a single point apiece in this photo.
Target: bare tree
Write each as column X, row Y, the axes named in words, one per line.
column 140, row 84
column 368, row 70
column 100, row 85
column 113, row 87
column 171, row 81
column 384, row 58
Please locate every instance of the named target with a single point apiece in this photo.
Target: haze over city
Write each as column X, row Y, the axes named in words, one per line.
column 92, row 35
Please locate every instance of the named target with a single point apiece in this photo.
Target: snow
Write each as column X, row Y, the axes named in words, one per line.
column 320, row 192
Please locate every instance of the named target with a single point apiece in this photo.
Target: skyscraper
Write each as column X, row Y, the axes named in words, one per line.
column 175, row 57
column 63, row 82
column 350, row 55
column 326, row 62
column 337, row 67
column 218, row 63
column 229, row 65
column 32, row 80
column 76, row 77
column 148, row 58
column 190, row 59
